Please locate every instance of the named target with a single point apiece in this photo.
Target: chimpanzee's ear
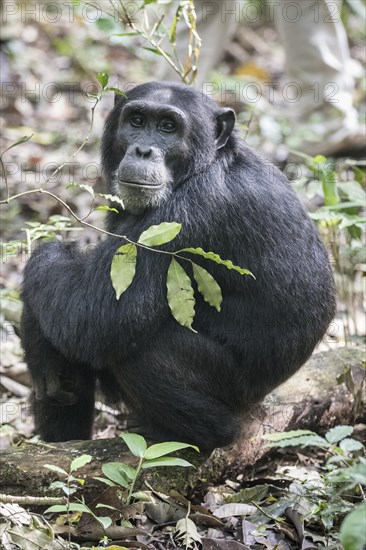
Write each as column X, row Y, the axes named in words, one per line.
column 225, row 125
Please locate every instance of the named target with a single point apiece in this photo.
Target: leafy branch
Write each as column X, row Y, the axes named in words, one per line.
column 117, row 474
column 187, row 71
column 180, row 292
column 154, row 456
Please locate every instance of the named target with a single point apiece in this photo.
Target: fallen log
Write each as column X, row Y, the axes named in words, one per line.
column 311, row 399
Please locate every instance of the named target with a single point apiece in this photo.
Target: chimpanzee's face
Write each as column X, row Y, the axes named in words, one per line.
column 162, row 137
column 152, row 137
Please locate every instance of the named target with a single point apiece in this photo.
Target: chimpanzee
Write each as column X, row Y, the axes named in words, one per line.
column 173, row 155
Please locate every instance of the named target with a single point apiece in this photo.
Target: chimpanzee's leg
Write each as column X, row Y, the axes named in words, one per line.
column 183, row 389
column 63, row 391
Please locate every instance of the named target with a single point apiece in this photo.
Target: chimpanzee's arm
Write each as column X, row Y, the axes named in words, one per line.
column 72, row 297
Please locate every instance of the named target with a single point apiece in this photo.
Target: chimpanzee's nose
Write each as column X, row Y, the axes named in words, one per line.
column 143, row 152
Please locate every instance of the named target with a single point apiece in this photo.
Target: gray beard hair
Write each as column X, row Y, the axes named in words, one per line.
column 137, row 200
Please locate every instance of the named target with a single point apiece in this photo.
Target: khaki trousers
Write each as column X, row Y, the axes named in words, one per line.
column 318, row 61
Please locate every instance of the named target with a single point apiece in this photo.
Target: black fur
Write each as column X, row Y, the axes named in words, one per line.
column 180, row 385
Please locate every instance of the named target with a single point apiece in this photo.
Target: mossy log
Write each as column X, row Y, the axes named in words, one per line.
column 311, row 399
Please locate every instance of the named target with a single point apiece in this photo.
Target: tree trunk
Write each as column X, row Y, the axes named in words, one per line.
column 311, row 399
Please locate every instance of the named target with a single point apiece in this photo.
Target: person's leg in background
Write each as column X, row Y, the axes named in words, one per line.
column 318, row 61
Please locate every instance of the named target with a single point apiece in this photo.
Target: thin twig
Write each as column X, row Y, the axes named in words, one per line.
column 90, row 225
column 85, row 141
column 27, row 500
column 126, row 20
column 58, row 169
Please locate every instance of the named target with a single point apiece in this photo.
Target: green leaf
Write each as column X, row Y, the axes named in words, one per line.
column 117, row 91
column 104, row 521
column 350, row 445
column 68, row 491
column 112, row 198
column 57, row 508
column 127, row 34
column 354, row 191
column 123, row 268
column 346, row 205
column 353, row 529
column 180, row 295
column 113, row 472
column 73, row 507
column 337, row 433
column 33, row 224
column 319, row 159
column 155, row 50
column 186, row 534
column 87, row 188
column 350, row 221
column 329, row 217
column 142, row 495
column 127, row 471
column 329, row 183
column 105, row 24
column 55, row 469
column 101, row 505
column 57, row 218
column 166, row 461
column 303, row 438
column 302, row 155
column 216, row 258
column 301, row 441
column 107, row 208
column 79, row 462
column 207, row 286
column 357, row 472
column 136, row 443
column 106, row 481
column 58, row 485
column 162, row 449
column 103, row 79
column 275, row 510
column 24, row 139
column 173, row 32
column 173, row 28
column 160, row 234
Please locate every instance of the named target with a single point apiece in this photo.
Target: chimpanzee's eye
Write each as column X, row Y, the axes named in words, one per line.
column 137, row 121
column 167, row 126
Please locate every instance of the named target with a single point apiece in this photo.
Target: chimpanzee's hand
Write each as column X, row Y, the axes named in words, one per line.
column 50, row 386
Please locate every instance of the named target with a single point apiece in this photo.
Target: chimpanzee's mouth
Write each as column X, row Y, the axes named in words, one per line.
column 143, row 185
